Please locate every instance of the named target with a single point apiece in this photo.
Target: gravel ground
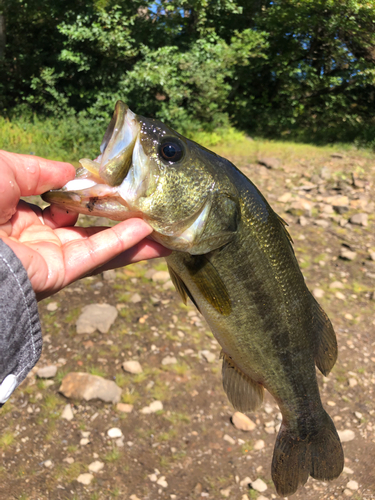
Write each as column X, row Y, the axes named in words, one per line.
column 171, row 430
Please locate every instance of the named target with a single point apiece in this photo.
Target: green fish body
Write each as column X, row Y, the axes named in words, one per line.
column 233, row 257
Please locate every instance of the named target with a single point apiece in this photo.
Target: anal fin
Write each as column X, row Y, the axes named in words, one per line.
column 244, row 393
column 326, row 344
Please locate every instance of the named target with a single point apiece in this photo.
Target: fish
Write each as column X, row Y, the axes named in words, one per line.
column 233, row 257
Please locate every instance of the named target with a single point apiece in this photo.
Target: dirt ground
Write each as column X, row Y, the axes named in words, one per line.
column 191, row 441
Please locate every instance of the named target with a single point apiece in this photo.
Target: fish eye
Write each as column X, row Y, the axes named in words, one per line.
column 171, row 150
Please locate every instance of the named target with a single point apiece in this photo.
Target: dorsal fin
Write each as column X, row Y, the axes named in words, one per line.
column 243, row 392
column 284, row 225
column 326, row 344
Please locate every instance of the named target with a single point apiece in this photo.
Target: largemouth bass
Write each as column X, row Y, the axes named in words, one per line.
column 233, row 257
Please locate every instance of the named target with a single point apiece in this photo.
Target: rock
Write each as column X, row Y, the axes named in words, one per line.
column 124, row 408
column 134, row 497
column 325, row 173
column 153, row 478
column 69, row 460
column 270, row 430
column 336, row 284
column 346, row 435
column 318, row 293
column 67, row 413
column 352, row 382
column 300, row 207
column 162, row 482
column 259, row 485
column 359, row 219
column 307, row 186
column 226, row 492
column 77, row 385
column 259, row 445
column 242, row 422
column 229, row 439
column 109, row 275
column 52, row 306
column 352, row 485
column 269, row 162
column 84, row 441
column 358, row 415
column 198, row 489
column 347, row 254
column 327, row 209
column 47, row 371
column 152, row 408
column 48, row 464
column 348, row 493
column 348, row 470
column 85, row 478
column 340, row 296
column 96, row 466
column 348, row 316
column 285, row 198
column 261, row 497
column 115, row 432
column 245, row 482
column 161, row 276
column 340, row 203
column 209, row 356
column 303, row 221
column 96, row 317
column 135, row 298
column 372, row 256
column 133, row 367
column 321, row 222
column 168, row 285
column 169, row 360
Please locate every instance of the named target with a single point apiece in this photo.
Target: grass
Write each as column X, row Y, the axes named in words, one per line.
column 74, row 138
column 112, row 456
column 94, row 370
column 129, row 397
column 6, row 439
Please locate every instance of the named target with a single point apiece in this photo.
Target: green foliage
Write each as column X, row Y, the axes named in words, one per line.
column 287, row 68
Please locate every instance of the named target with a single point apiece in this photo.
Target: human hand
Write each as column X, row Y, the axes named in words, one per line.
column 53, row 252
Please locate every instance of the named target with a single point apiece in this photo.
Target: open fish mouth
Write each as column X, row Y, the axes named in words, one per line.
column 96, row 189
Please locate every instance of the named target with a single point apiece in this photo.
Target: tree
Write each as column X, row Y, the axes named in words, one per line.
column 300, row 67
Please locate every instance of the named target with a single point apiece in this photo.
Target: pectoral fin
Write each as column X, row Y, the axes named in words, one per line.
column 181, row 287
column 207, row 279
column 244, row 393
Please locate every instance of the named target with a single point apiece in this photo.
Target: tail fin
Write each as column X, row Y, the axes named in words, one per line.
column 320, row 455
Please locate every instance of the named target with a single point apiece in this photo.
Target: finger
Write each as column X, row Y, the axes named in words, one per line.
column 56, row 217
column 25, row 175
column 144, row 250
column 84, row 256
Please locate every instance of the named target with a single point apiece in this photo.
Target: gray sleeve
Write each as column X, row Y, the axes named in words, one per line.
column 20, row 331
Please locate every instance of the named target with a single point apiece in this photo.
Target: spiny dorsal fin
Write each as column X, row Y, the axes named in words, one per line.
column 326, row 344
column 284, row 224
column 244, row 393
column 207, row 279
column 181, row 287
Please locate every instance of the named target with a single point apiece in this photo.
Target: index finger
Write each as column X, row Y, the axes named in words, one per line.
column 26, row 175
